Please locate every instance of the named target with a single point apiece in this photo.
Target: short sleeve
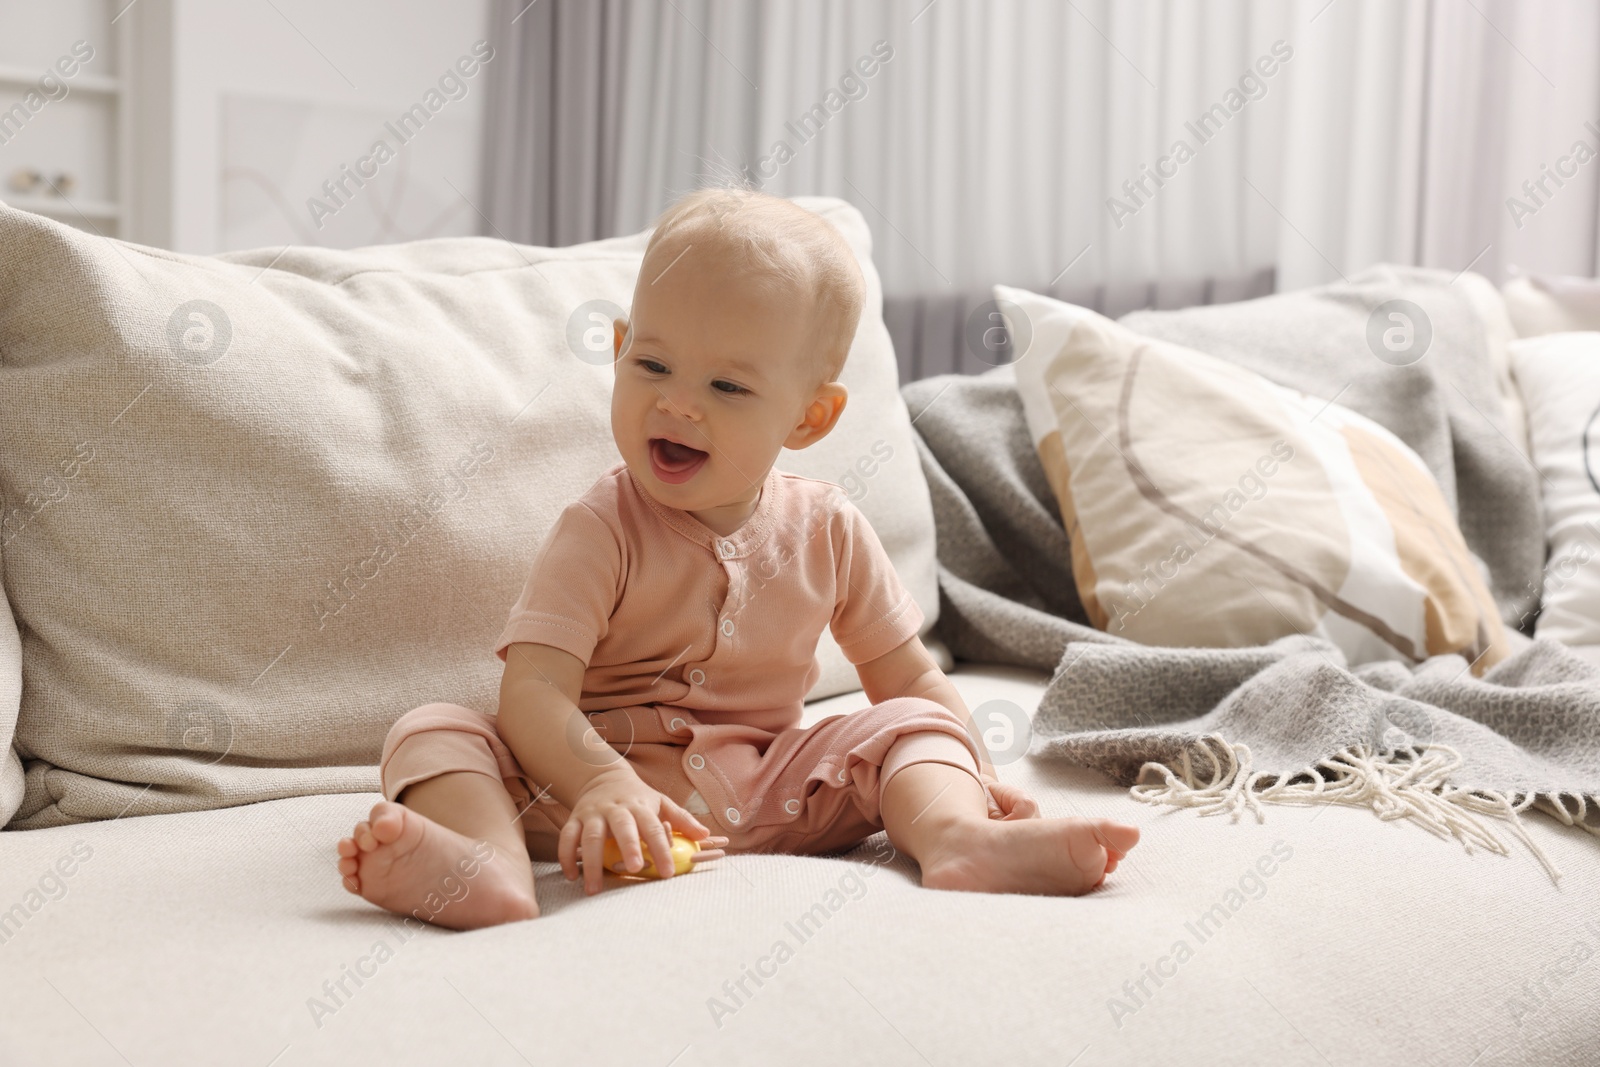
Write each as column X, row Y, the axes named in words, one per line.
column 571, row 589
column 873, row 613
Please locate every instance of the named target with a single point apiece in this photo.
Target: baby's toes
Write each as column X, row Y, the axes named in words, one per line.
column 349, row 866
column 386, row 820
column 1117, row 838
column 1109, row 844
column 1087, row 854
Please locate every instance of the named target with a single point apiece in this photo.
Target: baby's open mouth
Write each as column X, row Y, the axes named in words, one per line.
column 674, row 463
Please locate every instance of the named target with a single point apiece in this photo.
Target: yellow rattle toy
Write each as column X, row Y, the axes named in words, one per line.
column 685, row 855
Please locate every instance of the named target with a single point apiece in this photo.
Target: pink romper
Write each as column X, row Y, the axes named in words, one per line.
column 699, row 651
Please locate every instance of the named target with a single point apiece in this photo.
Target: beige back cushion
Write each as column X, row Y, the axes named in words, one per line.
column 256, row 506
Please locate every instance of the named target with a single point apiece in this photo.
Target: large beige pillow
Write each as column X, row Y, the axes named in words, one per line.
column 1210, row 507
column 258, row 505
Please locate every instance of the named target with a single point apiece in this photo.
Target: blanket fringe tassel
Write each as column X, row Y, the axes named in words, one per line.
column 1405, row 783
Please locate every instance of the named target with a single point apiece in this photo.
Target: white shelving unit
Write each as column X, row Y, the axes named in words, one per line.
column 66, row 207
column 106, row 216
column 11, row 74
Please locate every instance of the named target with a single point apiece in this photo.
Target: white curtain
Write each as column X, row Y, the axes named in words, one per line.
column 1414, row 124
column 995, row 144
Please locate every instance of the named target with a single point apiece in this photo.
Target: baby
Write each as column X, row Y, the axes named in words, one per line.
column 658, row 658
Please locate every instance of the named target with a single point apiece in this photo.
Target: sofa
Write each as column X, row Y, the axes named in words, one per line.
column 258, row 505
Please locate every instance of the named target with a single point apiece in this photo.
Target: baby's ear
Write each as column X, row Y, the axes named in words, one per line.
column 819, row 417
column 619, row 329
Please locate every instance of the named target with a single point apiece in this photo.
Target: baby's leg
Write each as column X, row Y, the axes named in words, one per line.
column 451, row 851
column 908, row 766
column 938, row 814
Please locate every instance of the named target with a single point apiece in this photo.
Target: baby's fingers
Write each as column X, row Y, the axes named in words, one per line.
column 678, row 815
column 626, row 831
column 658, row 839
column 567, row 847
column 1013, row 802
column 594, row 850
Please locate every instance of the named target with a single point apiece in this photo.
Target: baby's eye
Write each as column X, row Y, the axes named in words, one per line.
column 653, row 366
column 728, row 387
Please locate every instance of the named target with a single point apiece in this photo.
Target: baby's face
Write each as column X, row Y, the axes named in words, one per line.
column 713, row 379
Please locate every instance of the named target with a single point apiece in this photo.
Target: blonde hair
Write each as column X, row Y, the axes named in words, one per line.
column 785, row 248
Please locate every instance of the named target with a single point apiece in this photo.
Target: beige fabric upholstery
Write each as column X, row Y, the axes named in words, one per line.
column 11, row 777
column 259, row 505
column 200, row 938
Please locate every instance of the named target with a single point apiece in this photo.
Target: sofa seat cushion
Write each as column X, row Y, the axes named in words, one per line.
column 1320, row 934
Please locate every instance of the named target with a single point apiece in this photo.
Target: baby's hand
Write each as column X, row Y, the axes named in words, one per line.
column 617, row 803
column 1011, row 802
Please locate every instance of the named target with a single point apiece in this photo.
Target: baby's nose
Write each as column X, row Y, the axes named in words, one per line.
column 674, row 402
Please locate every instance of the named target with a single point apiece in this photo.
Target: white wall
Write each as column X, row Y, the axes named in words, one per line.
column 238, row 110
column 348, row 65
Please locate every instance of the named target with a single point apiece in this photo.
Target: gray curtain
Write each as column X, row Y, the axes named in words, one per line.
column 551, row 152
column 930, row 331
column 552, row 119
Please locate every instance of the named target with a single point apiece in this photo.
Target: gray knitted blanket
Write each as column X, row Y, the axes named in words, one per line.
column 1226, row 730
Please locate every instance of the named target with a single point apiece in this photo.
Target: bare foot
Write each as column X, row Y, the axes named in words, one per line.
column 1056, row 857
column 406, row 863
